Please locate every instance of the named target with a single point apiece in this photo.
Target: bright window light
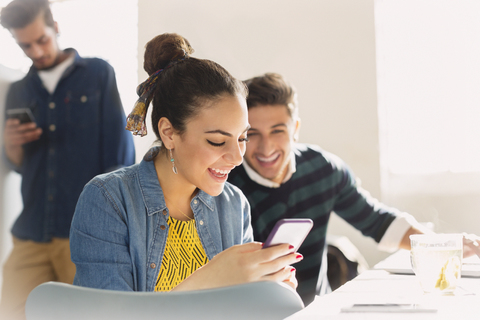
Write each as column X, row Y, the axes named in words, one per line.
column 428, row 70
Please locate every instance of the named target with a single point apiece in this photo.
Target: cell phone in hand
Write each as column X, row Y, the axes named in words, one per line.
column 291, row 231
column 23, row 114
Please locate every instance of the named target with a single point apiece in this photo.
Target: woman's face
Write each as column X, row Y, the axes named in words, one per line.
column 212, row 144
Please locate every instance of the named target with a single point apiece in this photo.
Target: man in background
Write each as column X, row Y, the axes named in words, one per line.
column 76, row 133
column 285, row 179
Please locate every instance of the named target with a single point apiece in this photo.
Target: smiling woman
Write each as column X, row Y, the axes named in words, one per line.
column 215, row 138
column 176, row 204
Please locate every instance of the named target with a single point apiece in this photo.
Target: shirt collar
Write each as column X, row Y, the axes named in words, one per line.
column 153, row 193
column 252, row 174
column 77, row 61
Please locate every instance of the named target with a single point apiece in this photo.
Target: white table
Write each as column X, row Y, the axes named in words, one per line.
column 379, row 286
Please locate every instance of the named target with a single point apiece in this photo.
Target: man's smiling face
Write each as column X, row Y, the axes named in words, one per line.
column 271, row 135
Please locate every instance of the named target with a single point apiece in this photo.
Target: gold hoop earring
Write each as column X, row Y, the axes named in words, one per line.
column 173, row 162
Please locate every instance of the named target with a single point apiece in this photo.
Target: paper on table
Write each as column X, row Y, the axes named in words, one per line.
column 388, row 308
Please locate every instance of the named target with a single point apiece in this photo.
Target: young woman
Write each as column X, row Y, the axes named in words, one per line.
column 172, row 222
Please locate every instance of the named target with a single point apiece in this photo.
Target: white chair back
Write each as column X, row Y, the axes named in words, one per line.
column 258, row 300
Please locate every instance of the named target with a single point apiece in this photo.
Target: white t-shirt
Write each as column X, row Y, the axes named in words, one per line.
column 51, row 77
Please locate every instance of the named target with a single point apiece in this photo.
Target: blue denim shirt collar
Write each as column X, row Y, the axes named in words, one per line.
column 77, row 61
column 148, row 182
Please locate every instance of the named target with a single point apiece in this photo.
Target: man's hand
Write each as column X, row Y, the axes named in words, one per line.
column 471, row 245
column 16, row 135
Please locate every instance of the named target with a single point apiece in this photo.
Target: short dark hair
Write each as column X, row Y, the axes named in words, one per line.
column 20, row 13
column 272, row 89
column 184, row 88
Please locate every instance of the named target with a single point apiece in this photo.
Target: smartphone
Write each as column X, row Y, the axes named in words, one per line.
column 388, row 308
column 23, row 114
column 292, row 231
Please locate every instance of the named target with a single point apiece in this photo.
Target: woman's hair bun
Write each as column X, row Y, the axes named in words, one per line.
column 162, row 49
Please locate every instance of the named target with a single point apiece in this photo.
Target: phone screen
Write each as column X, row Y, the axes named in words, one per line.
column 23, row 114
column 291, row 231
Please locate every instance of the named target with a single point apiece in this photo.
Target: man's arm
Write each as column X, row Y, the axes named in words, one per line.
column 388, row 226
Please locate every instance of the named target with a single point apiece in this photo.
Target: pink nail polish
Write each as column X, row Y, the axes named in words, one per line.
column 299, row 257
column 290, row 247
column 293, row 269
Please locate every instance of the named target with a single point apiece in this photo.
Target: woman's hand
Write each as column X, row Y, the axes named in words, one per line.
column 245, row 263
column 292, row 280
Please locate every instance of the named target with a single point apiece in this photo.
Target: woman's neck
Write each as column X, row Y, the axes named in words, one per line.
column 177, row 191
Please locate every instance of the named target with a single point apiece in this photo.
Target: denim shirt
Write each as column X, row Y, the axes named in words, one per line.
column 120, row 229
column 83, row 135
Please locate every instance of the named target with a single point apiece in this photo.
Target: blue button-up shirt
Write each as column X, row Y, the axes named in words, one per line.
column 83, row 135
column 120, row 228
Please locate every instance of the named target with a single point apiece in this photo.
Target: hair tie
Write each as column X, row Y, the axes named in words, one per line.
column 136, row 119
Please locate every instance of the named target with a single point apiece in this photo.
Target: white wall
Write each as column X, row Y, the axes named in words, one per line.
column 325, row 47
column 10, row 200
column 428, row 80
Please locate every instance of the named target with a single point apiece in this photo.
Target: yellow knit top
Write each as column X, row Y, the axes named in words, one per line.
column 183, row 254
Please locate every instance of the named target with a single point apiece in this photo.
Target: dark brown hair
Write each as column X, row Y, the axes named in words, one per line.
column 20, row 13
column 272, row 89
column 188, row 85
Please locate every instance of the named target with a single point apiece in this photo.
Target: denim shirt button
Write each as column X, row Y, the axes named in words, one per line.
column 164, row 212
column 84, row 99
column 162, row 227
column 152, row 265
column 195, row 201
column 201, row 222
